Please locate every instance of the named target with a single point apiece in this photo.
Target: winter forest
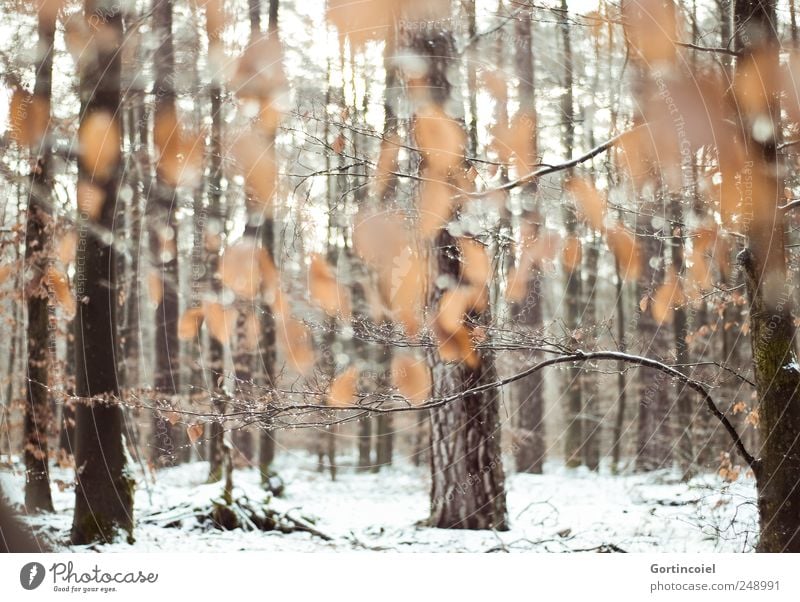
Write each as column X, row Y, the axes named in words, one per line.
column 399, row 275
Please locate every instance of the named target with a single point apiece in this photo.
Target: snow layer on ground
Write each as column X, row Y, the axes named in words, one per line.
column 560, row 511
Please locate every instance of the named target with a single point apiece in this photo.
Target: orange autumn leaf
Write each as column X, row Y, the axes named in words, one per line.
column 458, row 346
column 324, row 289
column 572, row 253
column 155, row 287
column 247, row 269
column 666, row 298
column 99, row 144
column 255, row 159
column 517, row 140
column 441, row 139
column 387, row 162
column 475, row 262
column 195, row 431
column 28, row 116
column 412, row 378
column 435, row 206
column 189, row 323
column 626, row 251
column 252, row 331
column 456, row 303
column 591, row 204
column 220, row 320
column 58, row 283
column 91, row 199
column 295, row 338
column 342, row 391
column 360, row 21
column 67, row 245
column 5, row 272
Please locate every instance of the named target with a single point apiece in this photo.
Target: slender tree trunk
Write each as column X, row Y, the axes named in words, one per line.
column 592, row 413
column 680, row 330
column 214, row 233
column 162, row 207
column 104, row 492
column 573, row 432
column 38, row 411
column 622, row 385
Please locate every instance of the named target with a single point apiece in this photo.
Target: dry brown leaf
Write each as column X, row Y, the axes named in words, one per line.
column 360, row 21
column 99, row 144
column 650, row 27
column 517, row 284
column 458, row 346
column 189, row 323
column 591, row 204
column 91, row 199
column 155, row 287
column 378, row 236
column 67, row 245
column 296, row 340
column 5, row 272
column 324, row 290
column 668, row 296
column 195, row 431
column 220, row 321
column 456, row 303
column 343, row 388
column 387, row 162
column 58, row 283
column 435, row 206
column 441, row 140
column 542, row 248
column 412, row 378
column 28, row 117
column 517, row 140
column 475, row 261
column 572, row 253
column 247, row 269
column 252, row 331
column 626, row 251
column 255, row 158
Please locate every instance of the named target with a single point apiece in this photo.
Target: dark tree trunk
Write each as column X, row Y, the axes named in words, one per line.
column 243, row 368
column 104, row 492
column 764, row 262
column 680, row 331
column 467, row 479
column 38, row 411
column 592, row 413
column 622, row 384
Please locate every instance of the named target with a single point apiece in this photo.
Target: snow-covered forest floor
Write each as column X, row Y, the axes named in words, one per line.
column 559, row 511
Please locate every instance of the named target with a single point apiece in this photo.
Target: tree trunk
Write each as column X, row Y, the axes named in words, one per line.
column 214, row 232
column 680, row 331
column 38, row 412
column 162, row 206
column 573, row 432
column 467, row 480
column 764, row 262
column 592, row 413
column 104, row 491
